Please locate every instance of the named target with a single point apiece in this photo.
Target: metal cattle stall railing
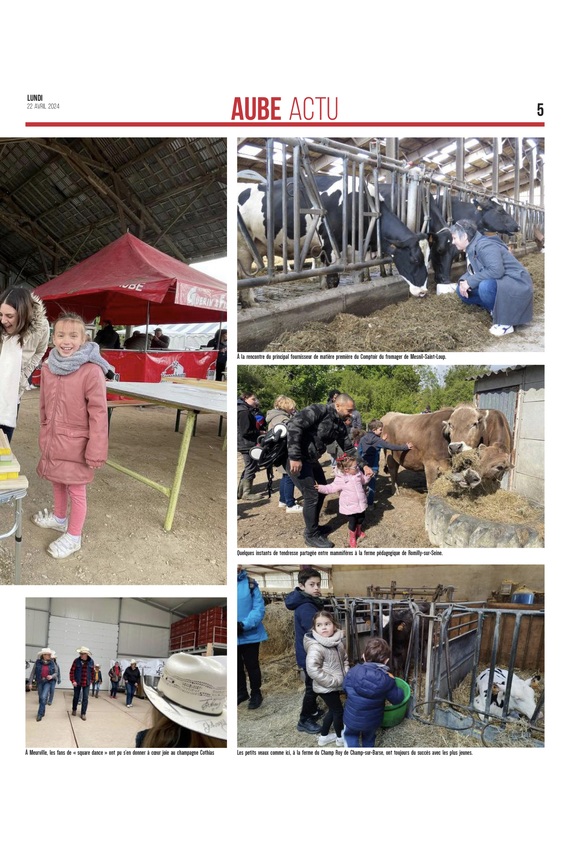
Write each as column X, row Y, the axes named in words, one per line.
column 371, row 617
column 362, row 172
column 449, row 645
column 470, row 639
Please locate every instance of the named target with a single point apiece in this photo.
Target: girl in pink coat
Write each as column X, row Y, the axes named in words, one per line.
column 349, row 482
column 73, row 429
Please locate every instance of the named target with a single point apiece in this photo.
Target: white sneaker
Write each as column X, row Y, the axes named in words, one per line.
column 294, row 509
column 64, row 546
column 47, row 520
column 501, row 329
column 326, row 740
column 282, row 505
column 340, row 743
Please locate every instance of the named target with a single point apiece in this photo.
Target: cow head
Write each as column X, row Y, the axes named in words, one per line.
column 465, row 428
column 410, row 257
column 493, row 217
column 493, row 462
column 442, row 253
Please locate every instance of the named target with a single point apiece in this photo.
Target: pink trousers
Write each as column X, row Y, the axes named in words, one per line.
column 76, row 495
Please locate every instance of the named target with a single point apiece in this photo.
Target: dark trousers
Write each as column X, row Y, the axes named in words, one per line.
column 352, row 738
column 312, row 499
column 248, row 662
column 355, row 520
column 249, row 466
column 310, row 706
column 83, row 693
column 333, row 714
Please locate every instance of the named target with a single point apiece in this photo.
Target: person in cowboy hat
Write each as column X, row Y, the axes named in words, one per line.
column 132, row 678
column 57, row 680
column 44, row 673
column 189, row 704
column 96, row 680
column 81, row 675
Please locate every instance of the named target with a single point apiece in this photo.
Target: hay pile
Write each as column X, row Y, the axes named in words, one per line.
column 498, row 506
column 436, row 323
column 280, row 626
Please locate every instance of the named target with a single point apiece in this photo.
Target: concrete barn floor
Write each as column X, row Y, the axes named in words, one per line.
column 109, row 724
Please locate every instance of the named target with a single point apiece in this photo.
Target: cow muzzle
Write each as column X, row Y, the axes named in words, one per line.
column 457, row 447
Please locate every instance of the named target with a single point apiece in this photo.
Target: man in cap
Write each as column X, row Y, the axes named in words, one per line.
column 81, row 675
column 132, row 677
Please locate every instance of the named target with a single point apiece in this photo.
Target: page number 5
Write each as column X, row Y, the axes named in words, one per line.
column 540, row 109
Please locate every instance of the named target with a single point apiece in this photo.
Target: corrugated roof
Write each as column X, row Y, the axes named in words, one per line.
column 62, row 200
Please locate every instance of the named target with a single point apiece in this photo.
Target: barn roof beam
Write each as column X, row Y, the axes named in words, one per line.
column 138, row 214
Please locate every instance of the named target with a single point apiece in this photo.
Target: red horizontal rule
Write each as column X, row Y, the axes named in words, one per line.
column 261, row 123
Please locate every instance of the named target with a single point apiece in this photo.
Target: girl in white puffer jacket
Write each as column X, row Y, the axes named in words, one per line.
column 327, row 664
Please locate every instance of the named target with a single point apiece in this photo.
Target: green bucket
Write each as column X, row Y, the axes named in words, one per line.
column 394, row 713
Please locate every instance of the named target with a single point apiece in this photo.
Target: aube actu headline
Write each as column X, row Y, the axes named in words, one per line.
column 275, row 109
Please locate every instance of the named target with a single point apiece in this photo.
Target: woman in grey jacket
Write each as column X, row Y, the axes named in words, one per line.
column 24, row 336
column 494, row 280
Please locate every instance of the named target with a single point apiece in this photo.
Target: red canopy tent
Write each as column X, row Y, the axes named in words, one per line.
column 130, row 282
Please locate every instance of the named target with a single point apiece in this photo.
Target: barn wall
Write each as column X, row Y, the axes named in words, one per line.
column 129, row 627
column 496, row 391
column 472, row 582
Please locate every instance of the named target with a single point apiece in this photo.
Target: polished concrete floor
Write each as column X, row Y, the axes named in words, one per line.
column 109, row 723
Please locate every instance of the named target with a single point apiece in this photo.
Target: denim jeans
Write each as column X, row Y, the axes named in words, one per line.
column 51, row 685
column 43, row 695
column 130, row 690
column 95, row 688
column 484, row 296
column 83, row 693
column 352, row 738
column 113, row 688
column 287, row 491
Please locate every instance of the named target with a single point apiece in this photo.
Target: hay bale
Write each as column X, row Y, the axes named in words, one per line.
column 280, row 626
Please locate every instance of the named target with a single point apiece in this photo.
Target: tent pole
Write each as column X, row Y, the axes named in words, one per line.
column 147, row 323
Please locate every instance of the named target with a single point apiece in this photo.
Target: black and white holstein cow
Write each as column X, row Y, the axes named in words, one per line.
column 408, row 250
column 442, row 251
column 520, row 698
column 487, row 214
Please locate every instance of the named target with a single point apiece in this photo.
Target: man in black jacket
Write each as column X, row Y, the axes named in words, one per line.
column 308, row 433
column 132, row 678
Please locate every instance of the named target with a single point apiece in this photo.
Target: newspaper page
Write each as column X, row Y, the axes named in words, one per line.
column 392, row 329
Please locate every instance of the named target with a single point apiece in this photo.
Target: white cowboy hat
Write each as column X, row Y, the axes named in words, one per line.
column 133, row 661
column 43, row 651
column 192, row 692
column 83, row 650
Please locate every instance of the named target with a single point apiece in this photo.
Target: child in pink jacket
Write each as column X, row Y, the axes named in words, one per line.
column 73, row 429
column 349, row 482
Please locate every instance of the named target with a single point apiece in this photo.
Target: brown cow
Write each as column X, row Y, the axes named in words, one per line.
column 439, row 435
column 430, row 451
column 486, row 430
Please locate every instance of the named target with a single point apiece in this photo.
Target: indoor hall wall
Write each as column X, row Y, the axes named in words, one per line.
column 472, row 582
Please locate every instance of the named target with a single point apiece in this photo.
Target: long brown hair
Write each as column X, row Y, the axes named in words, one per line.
column 165, row 733
column 20, row 300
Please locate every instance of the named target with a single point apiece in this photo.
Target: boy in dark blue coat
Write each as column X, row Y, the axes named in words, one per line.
column 369, row 448
column 368, row 686
column 305, row 601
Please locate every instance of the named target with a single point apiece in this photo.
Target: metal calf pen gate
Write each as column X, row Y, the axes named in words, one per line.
column 361, row 170
column 449, row 645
